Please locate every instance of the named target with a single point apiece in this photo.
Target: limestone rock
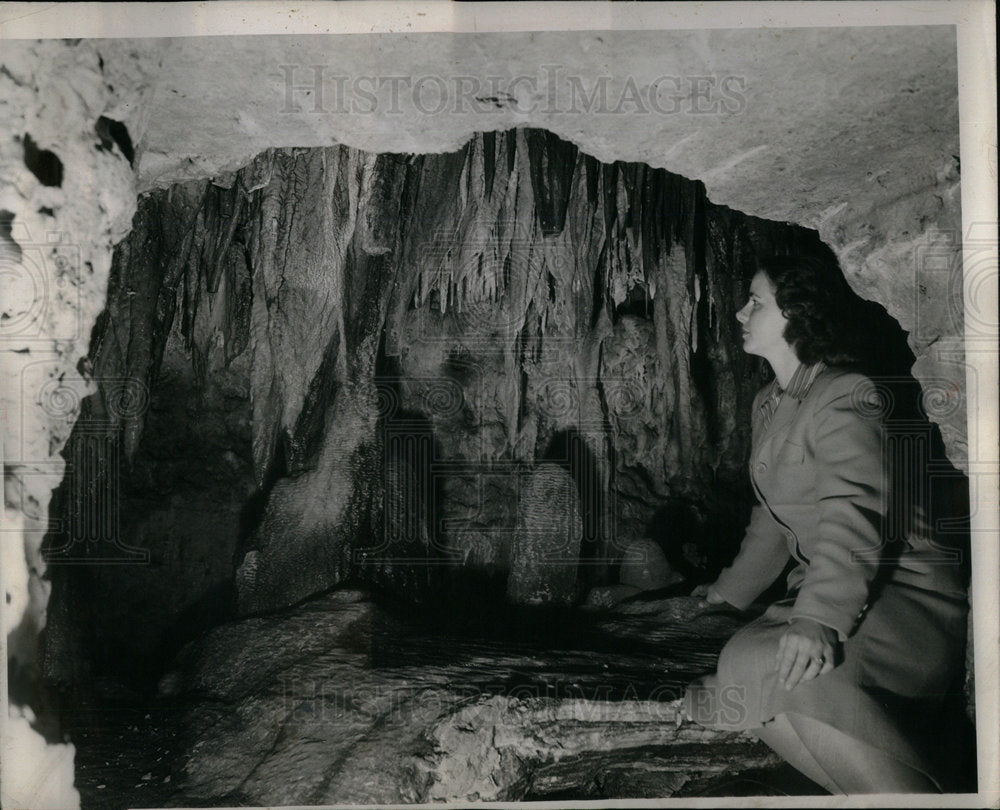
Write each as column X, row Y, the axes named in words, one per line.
column 606, row 596
column 337, row 701
column 66, row 197
column 645, row 567
column 491, row 748
column 83, row 117
column 852, row 161
column 311, row 519
column 606, row 346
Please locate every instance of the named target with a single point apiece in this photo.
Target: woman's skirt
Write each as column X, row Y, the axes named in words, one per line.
column 898, row 668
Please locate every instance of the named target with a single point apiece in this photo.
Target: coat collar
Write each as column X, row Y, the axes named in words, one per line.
column 802, row 380
column 798, row 386
column 784, row 407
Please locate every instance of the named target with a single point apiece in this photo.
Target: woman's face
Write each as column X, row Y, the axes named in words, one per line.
column 763, row 321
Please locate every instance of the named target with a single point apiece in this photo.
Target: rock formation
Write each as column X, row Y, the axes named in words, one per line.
column 336, row 701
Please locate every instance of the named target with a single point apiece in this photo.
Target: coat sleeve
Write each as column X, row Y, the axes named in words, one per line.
column 762, row 557
column 851, row 498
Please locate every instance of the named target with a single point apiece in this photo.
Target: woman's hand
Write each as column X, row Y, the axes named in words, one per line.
column 709, row 594
column 806, row 650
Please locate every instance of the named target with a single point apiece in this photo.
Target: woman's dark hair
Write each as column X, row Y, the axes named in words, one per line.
column 820, row 306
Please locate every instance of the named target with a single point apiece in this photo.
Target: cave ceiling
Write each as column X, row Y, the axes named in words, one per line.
column 782, row 124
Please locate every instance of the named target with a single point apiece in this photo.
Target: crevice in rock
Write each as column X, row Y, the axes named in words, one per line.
column 6, row 230
column 111, row 132
column 43, row 163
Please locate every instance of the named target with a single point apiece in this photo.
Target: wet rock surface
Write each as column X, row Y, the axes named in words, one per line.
column 341, row 700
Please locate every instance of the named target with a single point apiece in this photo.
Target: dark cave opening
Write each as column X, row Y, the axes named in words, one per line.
column 43, row 163
column 111, row 132
column 330, row 396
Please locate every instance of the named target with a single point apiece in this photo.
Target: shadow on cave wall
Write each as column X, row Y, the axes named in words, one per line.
column 569, row 450
column 404, row 558
column 922, row 475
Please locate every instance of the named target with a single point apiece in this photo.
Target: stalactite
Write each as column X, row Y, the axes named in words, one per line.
column 693, row 325
column 298, row 284
column 189, row 286
column 465, row 249
column 552, row 165
column 593, row 174
column 489, row 161
column 463, row 179
column 225, row 216
column 609, row 185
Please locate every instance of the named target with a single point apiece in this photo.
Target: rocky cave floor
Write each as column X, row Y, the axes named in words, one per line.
column 343, row 699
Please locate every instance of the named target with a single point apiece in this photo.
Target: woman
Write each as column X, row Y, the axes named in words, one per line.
column 828, row 675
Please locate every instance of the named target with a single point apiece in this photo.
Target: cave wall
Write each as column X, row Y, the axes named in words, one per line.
column 67, row 195
column 531, row 304
column 334, row 364
column 226, row 320
column 585, row 318
column 152, row 529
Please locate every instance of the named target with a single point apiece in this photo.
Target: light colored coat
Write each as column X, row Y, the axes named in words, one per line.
column 820, row 470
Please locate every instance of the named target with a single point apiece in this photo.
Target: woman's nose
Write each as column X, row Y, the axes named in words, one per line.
column 742, row 314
